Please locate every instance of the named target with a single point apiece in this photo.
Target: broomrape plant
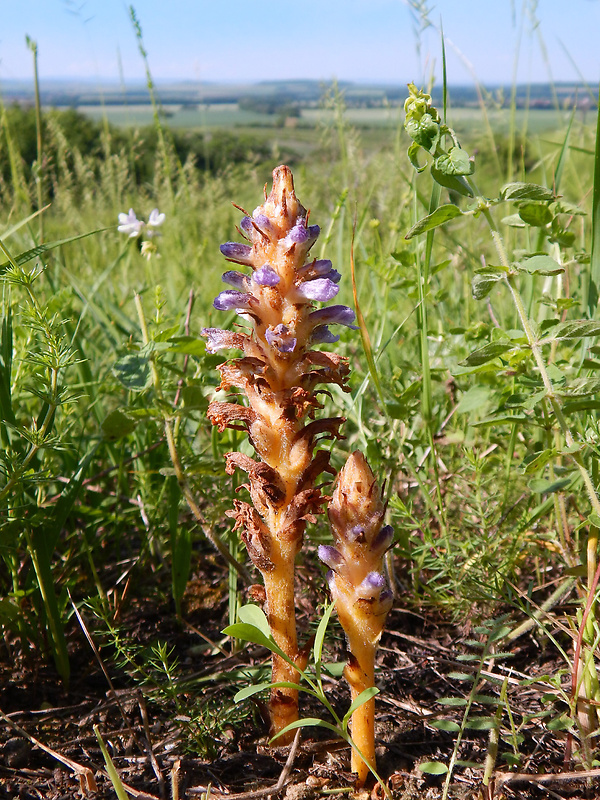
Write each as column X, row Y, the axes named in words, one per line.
column 278, row 374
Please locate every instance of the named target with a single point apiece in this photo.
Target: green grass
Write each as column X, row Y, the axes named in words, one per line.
column 468, row 475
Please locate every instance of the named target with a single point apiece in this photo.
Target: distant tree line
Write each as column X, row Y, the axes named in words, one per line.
column 69, row 135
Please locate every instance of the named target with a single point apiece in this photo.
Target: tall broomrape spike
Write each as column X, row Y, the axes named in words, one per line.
column 278, row 374
column 359, row 589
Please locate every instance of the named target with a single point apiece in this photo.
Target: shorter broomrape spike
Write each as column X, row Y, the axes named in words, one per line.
column 359, row 589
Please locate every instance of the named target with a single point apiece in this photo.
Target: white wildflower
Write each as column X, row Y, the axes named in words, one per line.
column 156, row 218
column 130, row 224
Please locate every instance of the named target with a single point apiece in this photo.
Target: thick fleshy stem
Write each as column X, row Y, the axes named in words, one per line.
column 359, row 590
column 278, row 374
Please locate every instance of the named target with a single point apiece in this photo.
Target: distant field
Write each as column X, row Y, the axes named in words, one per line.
column 229, row 115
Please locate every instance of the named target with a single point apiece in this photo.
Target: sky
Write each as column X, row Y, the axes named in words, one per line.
column 367, row 41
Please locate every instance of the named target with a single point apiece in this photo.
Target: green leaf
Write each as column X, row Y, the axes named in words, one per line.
column 474, row 399
column 413, row 152
column 514, row 221
column 117, row 425
column 252, row 614
column 539, row 461
column 455, row 162
column 581, row 387
column 189, row 345
column 362, row 698
column 441, row 215
column 543, row 486
column 425, row 131
column 432, row 768
column 574, row 329
column 453, row 701
column 481, row 723
column 309, row 722
column 525, row 191
column 445, row 725
column 111, row 769
column 249, row 691
column 487, row 353
column 484, row 281
column 455, row 183
column 540, row 265
column 133, row 371
column 29, row 255
column 250, row 633
column 320, row 638
column 536, row 214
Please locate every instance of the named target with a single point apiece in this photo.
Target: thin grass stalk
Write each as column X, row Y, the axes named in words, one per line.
column 39, row 166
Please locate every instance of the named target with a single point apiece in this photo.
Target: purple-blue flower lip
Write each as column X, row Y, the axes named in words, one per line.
column 281, row 338
column 340, row 315
column 234, row 251
column 322, row 335
column 320, row 289
column 234, row 278
column 230, row 300
column 330, row 556
column 372, row 585
column 266, row 276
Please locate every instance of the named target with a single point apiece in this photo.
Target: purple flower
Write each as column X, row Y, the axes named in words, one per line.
column 313, row 232
column 322, row 335
column 264, row 224
column 230, row 300
column 246, row 225
column 372, row 585
column 356, row 533
column 321, row 289
column 340, row 315
column 298, row 234
column 318, row 267
column 242, row 253
column 234, row 278
column 330, row 556
column 280, row 337
column 217, row 339
column 266, row 276
column 384, row 538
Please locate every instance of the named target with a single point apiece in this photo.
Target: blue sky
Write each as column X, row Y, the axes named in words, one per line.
column 359, row 40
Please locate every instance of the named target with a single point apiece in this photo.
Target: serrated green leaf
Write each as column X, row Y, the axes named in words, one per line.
column 540, row 265
column 487, row 353
column 482, row 284
column 574, row 329
column 133, row 371
column 432, row 768
column 487, row 699
column 455, row 162
column 461, row 676
column 425, row 131
column 580, row 387
column 525, row 191
column 594, row 519
column 441, row 215
column 536, row 214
